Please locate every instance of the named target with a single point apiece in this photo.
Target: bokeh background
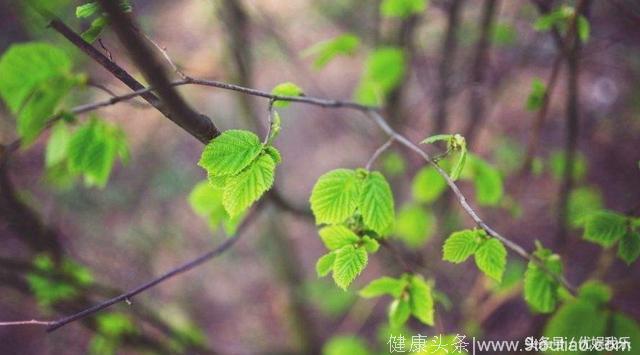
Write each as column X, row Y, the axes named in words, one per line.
column 263, row 295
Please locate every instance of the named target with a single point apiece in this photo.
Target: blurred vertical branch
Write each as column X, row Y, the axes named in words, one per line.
column 447, row 59
column 478, row 91
column 287, row 264
column 572, row 123
column 237, row 23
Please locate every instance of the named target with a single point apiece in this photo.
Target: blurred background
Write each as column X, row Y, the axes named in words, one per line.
column 478, row 68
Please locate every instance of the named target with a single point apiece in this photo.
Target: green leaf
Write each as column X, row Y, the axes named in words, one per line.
column 428, row 185
column 25, row 66
column 582, row 202
column 93, row 149
column 384, row 70
column 242, row 190
column 624, row 326
column 421, row 300
column 384, row 286
column 349, row 263
column 345, row 345
column 376, row 203
column 335, row 196
column 541, row 288
column 230, row 153
column 487, row 181
column 414, row 225
column 87, row 10
column 335, row 237
column 437, row 138
column 58, row 145
column 605, row 228
column 491, row 258
column 460, row 246
column 371, row 245
column 399, row 312
column 325, row 51
column 584, row 29
column 274, row 153
column 394, row 164
column 557, row 162
column 35, row 77
column 536, row 95
column 276, row 126
column 629, row 247
column 576, row 320
column 206, row 200
column 95, row 30
column 325, row 264
column 286, row 89
column 595, row 292
column 402, row 8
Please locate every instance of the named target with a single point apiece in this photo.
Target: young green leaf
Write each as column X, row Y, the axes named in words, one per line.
column 25, row 66
column 335, row 196
column 242, row 190
column 274, row 153
column 584, row 29
column 35, row 78
column 335, row 237
column 399, row 312
column 402, row 8
column 428, row 185
column 325, row 51
column 369, row 244
column 536, row 95
column 384, row 286
column 575, row 320
column 93, row 148
column 286, row 89
column 384, row 70
column 460, row 245
column 230, row 153
column 437, row 138
column 95, row 29
column 87, row 10
column 487, row 182
column 629, row 247
column 414, row 225
column 376, row 203
column 345, row 345
column 582, row 202
column 58, row 145
column 605, row 228
column 541, row 288
column 491, row 258
column 325, row 264
column 421, row 300
column 349, row 263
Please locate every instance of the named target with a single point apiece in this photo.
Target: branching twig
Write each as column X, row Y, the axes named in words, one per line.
column 126, row 297
column 379, row 152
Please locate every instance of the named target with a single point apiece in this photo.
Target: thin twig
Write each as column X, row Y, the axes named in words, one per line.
column 126, row 297
column 379, row 152
column 381, row 122
column 27, row 322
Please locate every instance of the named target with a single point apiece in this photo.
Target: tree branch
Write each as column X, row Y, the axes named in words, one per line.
column 126, row 297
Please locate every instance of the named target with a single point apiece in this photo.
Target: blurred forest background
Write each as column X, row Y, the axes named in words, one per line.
column 475, row 67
